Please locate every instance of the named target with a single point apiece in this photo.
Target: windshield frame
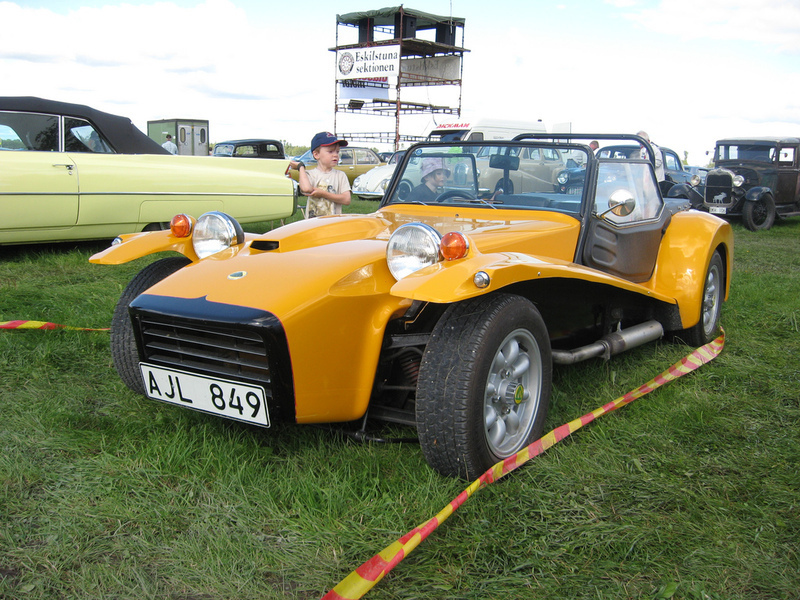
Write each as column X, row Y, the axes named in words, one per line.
column 547, row 198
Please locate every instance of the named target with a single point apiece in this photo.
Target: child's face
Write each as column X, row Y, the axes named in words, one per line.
column 436, row 178
column 327, row 156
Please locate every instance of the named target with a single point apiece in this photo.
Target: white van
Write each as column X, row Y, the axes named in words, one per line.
column 482, row 129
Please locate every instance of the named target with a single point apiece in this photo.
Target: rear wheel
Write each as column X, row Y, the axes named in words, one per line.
column 484, row 384
column 711, row 305
column 123, row 344
column 759, row 214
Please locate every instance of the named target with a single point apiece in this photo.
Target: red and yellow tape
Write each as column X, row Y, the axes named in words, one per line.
column 364, row 578
column 42, row 325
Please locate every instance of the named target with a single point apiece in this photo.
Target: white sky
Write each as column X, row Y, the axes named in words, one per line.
column 687, row 71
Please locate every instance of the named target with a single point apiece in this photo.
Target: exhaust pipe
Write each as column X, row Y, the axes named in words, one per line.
column 611, row 344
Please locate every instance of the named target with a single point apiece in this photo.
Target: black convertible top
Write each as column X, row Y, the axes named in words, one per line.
column 120, row 132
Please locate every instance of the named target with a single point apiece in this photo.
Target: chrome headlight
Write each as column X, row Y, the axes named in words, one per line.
column 384, row 184
column 357, row 181
column 412, row 247
column 738, row 180
column 215, row 231
column 563, row 177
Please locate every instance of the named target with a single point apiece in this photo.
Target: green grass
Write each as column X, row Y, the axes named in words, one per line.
column 692, row 492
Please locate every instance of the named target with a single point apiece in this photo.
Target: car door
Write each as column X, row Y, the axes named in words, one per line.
column 673, row 167
column 788, row 187
column 625, row 245
column 38, row 184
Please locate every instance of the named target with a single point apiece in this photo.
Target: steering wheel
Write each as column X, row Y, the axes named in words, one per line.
column 455, row 194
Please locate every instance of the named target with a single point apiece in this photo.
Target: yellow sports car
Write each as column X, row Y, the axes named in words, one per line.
column 445, row 309
column 69, row 172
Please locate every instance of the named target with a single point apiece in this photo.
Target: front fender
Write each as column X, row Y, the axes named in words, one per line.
column 684, row 190
column 757, row 193
column 137, row 245
column 686, row 250
column 454, row 281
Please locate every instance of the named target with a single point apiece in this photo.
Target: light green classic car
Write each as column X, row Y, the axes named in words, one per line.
column 68, row 172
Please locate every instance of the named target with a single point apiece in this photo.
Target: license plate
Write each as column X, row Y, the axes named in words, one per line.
column 718, row 210
column 220, row 397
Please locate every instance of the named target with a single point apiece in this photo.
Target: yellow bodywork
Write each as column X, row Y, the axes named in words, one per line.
column 327, row 282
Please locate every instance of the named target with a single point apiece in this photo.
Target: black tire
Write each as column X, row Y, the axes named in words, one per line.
column 475, row 406
column 759, row 214
column 123, row 343
column 707, row 327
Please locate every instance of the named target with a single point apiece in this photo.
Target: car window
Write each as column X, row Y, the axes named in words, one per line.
column 245, row 150
column 223, row 150
column 346, row 157
column 29, row 131
column 551, row 154
column 635, row 178
column 786, row 156
column 366, row 157
column 81, row 136
column 9, row 140
column 671, row 162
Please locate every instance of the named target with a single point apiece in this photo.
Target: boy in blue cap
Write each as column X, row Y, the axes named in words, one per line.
column 327, row 188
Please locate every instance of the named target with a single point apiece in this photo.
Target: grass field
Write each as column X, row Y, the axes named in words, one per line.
column 692, row 492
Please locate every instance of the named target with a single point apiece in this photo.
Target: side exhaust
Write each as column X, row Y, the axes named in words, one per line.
column 611, row 344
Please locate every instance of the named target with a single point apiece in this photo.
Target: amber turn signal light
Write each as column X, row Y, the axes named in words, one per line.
column 181, row 225
column 454, row 245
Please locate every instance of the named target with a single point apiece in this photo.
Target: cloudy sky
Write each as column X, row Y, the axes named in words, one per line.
column 687, row 71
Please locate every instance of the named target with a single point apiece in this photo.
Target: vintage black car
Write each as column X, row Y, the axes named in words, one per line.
column 570, row 180
column 753, row 178
column 251, row 148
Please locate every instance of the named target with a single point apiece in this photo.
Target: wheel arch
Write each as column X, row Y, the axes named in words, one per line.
column 755, row 194
column 686, row 252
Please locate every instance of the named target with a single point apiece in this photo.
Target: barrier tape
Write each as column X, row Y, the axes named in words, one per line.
column 43, row 325
column 365, row 577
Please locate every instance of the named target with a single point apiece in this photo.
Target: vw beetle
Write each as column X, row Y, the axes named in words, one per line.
column 447, row 314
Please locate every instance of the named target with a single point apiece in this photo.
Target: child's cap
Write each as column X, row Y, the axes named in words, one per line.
column 326, row 138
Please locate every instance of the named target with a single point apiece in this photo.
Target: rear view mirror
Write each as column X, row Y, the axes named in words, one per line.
column 504, row 161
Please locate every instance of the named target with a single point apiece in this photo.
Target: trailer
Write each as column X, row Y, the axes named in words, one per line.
column 190, row 135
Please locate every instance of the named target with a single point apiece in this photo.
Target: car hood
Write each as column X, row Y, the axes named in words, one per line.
column 345, row 255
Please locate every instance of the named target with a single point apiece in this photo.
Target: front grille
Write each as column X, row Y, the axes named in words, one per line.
column 719, row 188
column 217, row 340
column 225, row 351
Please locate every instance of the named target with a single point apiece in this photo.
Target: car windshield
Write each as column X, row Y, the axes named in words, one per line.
column 508, row 175
column 755, row 152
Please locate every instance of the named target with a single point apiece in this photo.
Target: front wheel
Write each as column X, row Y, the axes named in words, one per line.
column 484, row 384
column 759, row 214
column 123, row 344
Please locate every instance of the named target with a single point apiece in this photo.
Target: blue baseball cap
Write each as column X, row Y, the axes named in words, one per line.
column 326, row 138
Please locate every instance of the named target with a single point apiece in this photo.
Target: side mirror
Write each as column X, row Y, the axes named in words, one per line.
column 621, row 203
